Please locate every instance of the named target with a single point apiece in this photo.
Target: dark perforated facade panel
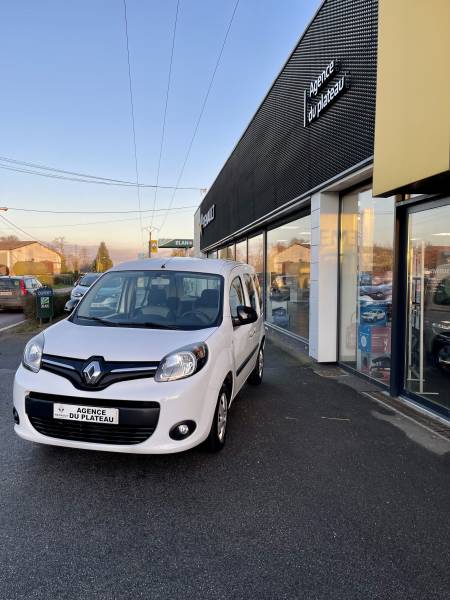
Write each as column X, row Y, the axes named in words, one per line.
column 277, row 158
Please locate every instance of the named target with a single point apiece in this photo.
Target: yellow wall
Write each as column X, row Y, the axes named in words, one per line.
column 35, row 252
column 412, row 125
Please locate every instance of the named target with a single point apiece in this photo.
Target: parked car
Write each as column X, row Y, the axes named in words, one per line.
column 280, row 317
column 437, row 323
column 14, row 290
column 373, row 315
column 71, row 304
column 83, row 284
column 148, row 372
column 381, row 368
column 376, row 292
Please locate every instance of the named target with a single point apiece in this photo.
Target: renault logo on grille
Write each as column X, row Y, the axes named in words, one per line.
column 92, row 372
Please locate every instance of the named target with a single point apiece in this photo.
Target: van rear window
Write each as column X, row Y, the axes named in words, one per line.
column 9, row 283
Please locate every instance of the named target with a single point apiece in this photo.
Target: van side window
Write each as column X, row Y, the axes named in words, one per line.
column 236, row 296
column 251, row 291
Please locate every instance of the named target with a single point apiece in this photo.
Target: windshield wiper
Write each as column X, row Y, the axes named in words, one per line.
column 150, row 325
column 100, row 320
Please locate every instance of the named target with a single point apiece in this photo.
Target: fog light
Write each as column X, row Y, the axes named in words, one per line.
column 181, row 431
column 16, row 416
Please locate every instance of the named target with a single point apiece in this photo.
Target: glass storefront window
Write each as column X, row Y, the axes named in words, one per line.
column 256, row 256
column 241, row 251
column 428, row 330
column 366, row 262
column 288, row 276
column 230, row 252
column 223, row 253
column 212, row 254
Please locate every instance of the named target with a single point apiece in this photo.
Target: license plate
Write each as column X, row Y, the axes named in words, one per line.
column 6, row 293
column 86, row 414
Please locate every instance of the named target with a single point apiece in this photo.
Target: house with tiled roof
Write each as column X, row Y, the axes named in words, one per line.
column 28, row 258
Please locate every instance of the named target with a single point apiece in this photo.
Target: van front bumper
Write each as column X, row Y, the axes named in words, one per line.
column 148, row 410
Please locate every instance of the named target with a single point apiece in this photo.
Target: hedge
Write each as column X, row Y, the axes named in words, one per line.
column 59, row 300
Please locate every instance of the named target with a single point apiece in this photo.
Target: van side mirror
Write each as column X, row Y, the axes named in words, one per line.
column 246, row 315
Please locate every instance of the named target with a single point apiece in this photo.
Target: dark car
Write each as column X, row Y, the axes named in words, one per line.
column 381, row 368
column 14, row 290
column 437, row 323
column 82, row 285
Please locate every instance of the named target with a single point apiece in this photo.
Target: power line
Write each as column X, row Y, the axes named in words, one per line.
column 202, row 110
column 81, row 177
column 165, row 108
column 57, row 225
column 94, row 212
column 21, row 230
column 133, row 122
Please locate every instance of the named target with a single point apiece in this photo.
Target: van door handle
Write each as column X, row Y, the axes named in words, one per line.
column 252, row 332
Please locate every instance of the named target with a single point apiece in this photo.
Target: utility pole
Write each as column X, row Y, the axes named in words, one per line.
column 150, row 230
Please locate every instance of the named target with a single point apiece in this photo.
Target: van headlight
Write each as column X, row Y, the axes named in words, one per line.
column 182, row 363
column 32, row 354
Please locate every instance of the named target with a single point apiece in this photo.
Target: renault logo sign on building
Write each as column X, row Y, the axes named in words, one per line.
column 208, row 217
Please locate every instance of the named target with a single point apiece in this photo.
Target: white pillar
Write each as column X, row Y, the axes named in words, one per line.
column 323, row 303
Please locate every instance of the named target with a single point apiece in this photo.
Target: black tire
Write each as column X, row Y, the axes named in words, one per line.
column 256, row 376
column 217, row 435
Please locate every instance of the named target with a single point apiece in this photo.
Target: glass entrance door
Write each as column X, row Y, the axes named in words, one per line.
column 427, row 370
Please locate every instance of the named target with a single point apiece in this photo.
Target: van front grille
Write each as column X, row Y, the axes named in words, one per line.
column 137, row 419
column 91, row 432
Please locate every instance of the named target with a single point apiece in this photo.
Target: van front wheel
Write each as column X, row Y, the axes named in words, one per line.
column 216, row 438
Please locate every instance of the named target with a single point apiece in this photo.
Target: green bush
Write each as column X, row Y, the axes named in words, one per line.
column 29, row 307
column 59, row 301
column 46, row 279
column 64, row 279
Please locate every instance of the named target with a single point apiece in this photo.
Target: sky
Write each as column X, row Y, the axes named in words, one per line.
column 65, row 103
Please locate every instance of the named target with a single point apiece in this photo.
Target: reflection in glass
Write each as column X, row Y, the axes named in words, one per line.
column 230, row 252
column 288, row 276
column 428, row 332
column 223, row 253
column 256, row 256
column 212, row 254
column 241, row 251
column 366, row 259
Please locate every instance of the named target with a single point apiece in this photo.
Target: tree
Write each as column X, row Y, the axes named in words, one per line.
column 9, row 238
column 85, row 263
column 59, row 244
column 178, row 252
column 102, row 261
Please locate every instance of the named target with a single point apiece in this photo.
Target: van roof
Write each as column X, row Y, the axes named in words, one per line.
column 176, row 263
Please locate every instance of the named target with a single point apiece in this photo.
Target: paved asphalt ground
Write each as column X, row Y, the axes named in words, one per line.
column 318, row 494
column 10, row 318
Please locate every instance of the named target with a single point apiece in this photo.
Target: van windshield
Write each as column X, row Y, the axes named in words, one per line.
column 153, row 299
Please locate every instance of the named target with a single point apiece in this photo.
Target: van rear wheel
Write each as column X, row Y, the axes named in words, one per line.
column 256, row 376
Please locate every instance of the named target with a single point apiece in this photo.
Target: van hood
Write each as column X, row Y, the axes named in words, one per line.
column 117, row 343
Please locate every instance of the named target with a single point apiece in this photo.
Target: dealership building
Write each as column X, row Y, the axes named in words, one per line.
column 338, row 193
